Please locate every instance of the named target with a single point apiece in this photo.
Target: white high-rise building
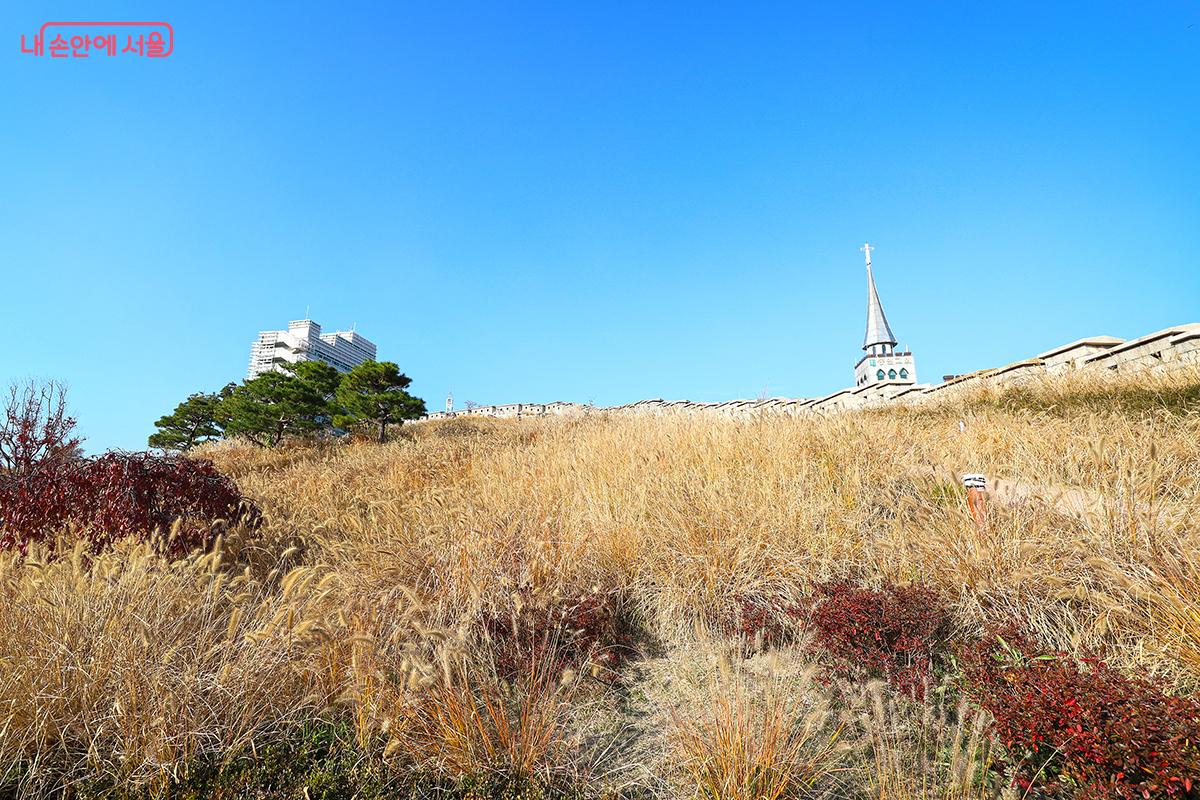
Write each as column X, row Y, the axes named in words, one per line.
column 303, row 341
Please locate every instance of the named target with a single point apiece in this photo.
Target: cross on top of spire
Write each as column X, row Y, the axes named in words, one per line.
column 879, row 338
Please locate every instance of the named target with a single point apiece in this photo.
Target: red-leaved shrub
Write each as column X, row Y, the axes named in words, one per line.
column 118, row 495
column 1084, row 730
column 898, row 633
column 763, row 622
column 589, row 629
column 36, row 432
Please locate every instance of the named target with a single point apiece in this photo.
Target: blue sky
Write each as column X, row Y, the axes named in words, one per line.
column 592, row 202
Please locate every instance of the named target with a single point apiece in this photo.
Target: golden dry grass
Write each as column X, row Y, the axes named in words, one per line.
column 729, row 727
column 355, row 601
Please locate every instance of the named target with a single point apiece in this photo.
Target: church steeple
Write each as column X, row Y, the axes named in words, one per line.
column 882, row 366
column 879, row 339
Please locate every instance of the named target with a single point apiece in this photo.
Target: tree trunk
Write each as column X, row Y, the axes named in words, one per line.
column 382, row 431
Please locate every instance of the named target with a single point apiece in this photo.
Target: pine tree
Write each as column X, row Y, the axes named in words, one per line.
column 193, row 421
column 373, row 393
column 275, row 405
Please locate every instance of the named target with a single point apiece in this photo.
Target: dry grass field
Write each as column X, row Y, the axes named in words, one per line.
column 534, row 608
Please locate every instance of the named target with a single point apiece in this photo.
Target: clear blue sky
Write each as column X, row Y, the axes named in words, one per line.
column 592, row 202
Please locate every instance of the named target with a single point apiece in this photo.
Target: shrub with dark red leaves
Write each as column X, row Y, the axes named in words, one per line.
column 119, row 495
column 1084, row 730
column 764, row 623
column 897, row 633
column 589, row 629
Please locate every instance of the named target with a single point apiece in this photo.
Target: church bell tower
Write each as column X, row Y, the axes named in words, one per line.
column 883, row 363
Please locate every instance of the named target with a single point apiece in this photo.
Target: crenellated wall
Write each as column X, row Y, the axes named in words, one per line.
column 1170, row 348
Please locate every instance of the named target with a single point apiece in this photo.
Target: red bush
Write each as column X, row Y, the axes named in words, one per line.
column 119, row 495
column 1083, row 730
column 898, row 633
column 764, row 622
column 589, row 629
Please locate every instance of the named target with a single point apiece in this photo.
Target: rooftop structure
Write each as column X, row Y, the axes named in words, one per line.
column 879, row 339
column 882, row 362
column 303, row 341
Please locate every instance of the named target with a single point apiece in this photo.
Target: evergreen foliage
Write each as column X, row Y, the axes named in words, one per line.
column 193, row 422
column 274, row 405
column 373, row 393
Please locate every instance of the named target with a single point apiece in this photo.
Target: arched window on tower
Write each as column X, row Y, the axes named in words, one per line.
column 891, row 374
column 903, row 373
column 879, row 375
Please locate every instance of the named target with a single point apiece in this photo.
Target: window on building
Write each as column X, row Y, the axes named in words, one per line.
column 891, row 374
column 904, row 374
column 879, row 375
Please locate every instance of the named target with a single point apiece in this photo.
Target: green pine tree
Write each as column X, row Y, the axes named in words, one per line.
column 268, row 408
column 193, row 421
column 373, row 393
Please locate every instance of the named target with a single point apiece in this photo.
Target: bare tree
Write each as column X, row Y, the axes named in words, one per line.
column 35, row 428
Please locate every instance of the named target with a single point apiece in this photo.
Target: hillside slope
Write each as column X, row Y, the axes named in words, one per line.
column 615, row 602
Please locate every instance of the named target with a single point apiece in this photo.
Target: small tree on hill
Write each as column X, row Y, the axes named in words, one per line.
column 373, row 393
column 35, row 429
column 193, row 421
column 274, row 405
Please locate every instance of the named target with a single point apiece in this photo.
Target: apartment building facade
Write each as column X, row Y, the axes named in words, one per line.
column 304, row 341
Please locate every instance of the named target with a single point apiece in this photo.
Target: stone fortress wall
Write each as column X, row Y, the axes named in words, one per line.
column 1168, row 349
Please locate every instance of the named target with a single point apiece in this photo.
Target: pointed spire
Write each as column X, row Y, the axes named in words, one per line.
column 879, row 333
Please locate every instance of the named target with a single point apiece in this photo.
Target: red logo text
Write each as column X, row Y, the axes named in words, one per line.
column 87, row 39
